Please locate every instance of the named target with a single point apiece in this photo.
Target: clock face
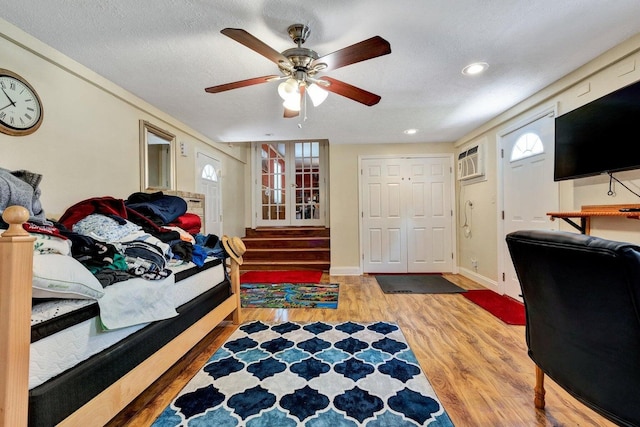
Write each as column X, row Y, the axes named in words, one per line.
column 20, row 108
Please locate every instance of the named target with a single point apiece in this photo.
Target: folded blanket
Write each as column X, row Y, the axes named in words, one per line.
column 160, row 208
column 189, row 222
column 22, row 188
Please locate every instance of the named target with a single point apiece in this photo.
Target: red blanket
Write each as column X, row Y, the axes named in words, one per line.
column 189, row 222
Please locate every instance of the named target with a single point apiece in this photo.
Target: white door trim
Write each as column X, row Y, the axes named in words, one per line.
column 448, row 156
column 501, row 251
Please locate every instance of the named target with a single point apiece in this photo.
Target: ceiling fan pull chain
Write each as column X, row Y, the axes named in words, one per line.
column 304, row 110
column 305, row 106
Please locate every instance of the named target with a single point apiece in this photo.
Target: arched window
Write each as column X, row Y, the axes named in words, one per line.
column 209, row 173
column 527, row 145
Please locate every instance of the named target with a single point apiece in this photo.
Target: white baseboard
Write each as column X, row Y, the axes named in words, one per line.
column 345, row 271
column 484, row 281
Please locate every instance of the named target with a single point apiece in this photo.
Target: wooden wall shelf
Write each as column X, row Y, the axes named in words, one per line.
column 589, row 211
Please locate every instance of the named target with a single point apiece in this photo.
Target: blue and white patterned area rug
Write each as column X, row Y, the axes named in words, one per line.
column 315, row 374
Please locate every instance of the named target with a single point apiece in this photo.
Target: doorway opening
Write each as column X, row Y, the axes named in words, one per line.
column 291, row 185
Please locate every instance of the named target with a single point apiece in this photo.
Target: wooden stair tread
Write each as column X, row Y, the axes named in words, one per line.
column 289, row 228
column 286, row 232
column 249, row 262
column 289, row 249
column 287, row 238
column 307, row 248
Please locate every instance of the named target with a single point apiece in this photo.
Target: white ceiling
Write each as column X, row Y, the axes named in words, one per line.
column 167, row 51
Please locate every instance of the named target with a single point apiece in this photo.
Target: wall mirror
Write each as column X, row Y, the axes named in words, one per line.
column 157, row 158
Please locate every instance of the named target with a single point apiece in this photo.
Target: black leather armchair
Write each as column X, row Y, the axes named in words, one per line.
column 582, row 300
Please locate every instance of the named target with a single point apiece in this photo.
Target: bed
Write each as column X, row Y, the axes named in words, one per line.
column 35, row 391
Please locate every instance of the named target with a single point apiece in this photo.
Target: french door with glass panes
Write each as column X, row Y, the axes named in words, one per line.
column 290, row 184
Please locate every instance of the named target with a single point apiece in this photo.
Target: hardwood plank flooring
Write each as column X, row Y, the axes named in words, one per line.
column 477, row 365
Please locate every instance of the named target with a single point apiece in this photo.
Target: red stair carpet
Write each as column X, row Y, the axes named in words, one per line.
column 503, row 307
column 279, row 276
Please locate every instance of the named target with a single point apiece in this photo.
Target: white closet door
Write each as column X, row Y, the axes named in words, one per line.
column 428, row 215
column 384, row 239
column 406, row 215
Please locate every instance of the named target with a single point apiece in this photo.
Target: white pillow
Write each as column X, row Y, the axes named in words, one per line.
column 62, row 276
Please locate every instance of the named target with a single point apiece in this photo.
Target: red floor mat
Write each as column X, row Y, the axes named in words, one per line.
column 279, row 276
column 503, row 307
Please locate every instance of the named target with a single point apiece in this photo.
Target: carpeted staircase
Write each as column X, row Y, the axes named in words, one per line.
column 287, row 248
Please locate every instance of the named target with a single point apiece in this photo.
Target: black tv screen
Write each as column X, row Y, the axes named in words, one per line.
column 599, row 137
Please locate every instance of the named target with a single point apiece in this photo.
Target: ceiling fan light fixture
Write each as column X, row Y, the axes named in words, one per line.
column 292, row 103
column 288, row 88
column 317, row 94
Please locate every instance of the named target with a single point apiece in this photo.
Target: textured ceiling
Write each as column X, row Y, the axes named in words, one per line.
column 167, row 51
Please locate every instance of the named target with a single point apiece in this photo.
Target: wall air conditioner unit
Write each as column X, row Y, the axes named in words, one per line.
column 471, row 163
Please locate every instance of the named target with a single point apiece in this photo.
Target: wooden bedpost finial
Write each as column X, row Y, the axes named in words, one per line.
column 15, row 216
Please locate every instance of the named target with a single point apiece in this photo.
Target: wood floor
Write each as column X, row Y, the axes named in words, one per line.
column 477, row 365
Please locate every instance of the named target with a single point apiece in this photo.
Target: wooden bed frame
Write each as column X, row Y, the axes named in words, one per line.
column 16, row 270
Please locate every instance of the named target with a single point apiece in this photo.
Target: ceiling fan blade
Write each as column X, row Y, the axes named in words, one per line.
column 351, row 92
column 288, row 114
column 367, row 49
column 241, row 83
column 243, row 37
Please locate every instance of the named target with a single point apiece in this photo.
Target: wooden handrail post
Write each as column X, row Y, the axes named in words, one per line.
column 16, row 275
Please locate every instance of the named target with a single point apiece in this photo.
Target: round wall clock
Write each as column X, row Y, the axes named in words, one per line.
column 20, row 106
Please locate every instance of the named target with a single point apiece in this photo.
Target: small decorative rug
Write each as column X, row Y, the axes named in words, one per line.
column 416, row 284
column 289, row 295
column 281, row 276
column 314, row 374
column 503, row 307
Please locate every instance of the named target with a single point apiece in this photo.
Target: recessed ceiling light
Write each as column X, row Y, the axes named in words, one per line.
column 411, row 131
column 475, row 68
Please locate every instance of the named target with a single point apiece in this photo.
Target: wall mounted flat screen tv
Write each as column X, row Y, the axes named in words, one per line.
column 602, row 136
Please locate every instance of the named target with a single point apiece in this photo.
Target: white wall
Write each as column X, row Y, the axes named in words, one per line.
column 614, row 69
column 344, row 195
column 481, row 243
column 88, row 143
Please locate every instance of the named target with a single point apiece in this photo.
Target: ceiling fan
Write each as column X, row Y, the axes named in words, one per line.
column 299, row 67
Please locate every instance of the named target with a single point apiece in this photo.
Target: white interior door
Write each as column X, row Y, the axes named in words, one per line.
column 406, row 215
column 528, row 186
column 429, row 215
column 384, row 232
column 209, row 184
